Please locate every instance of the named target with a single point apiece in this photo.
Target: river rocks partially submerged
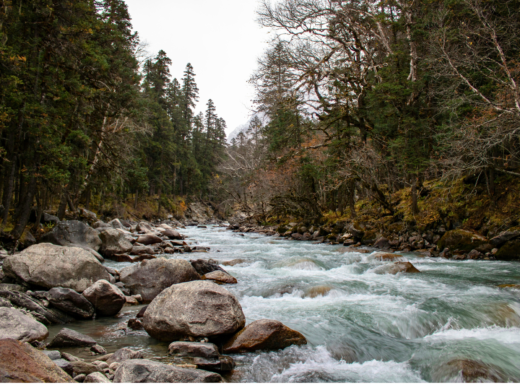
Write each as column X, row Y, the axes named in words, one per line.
column 114, row 243
column 220, row 277
column 464, row 240
column 71, row 338
column 107, row 299
column 149, row 278
column 124, row 354
column 73, row 233
column 21, row 363
column 49, row 266
column 70, row 302
column 397, row 267
column 268, row 335
column 147, row 371
column 193, row 349
column 469, row 371
column 194, row 309
column 19, row 326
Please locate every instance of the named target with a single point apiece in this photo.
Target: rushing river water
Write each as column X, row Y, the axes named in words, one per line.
column 361, row 326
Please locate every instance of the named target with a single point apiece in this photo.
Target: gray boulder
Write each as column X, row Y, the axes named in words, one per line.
column 397, row 267
column 142, row 250
column 96, row 377
column 116, row 224
column 124, row 354
column 49, row 266
column 106, row 298
column 71, row 338
column 73, row 233
column 172, row 234
column 150, row 277
column 144, row 227
column 146, row 371
column 19, row 326
column 70, row 302
column 192, row 349
column 196, row 309
column 114, row 243
column 149, row 239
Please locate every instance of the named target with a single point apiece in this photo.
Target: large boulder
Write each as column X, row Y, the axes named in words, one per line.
column 21, row 363
column 150, row 277
column 73, row 233
column 70, row 302
column 106, row 298
column 172, row 234
column 19, row 326
column 196, row 309
column 49, row 266
column 509, row 251
column 71, row 338
column 147, row 371
column 464, row 240
column 114, row 243
column 269, row 335
column 397, row 267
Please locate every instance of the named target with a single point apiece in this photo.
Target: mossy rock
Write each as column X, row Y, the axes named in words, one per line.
column 370, row 237
column 509, row 251
column 463, row 240
column 396, row 227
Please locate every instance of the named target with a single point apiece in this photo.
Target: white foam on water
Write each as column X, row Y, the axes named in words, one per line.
column 507, row 336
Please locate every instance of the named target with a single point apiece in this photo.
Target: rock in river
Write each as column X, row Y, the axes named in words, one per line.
column 124, row 354
column 220, row 277
column 106, row 298
column 19, row 326
column 146, row 371
column 196, row 309
column 21, row 363
column 397, row 267
column 70, row 302
column 192, row 349
column 71, row 338
column 49, row 266
column 73, row 233
column 114, row 243
column 150, row 277
column 269, row 335
column 464, row 240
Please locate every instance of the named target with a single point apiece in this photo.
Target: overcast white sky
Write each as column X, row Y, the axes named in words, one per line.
column 221, row 39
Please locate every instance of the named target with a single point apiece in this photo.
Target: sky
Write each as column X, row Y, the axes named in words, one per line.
column 221, row 39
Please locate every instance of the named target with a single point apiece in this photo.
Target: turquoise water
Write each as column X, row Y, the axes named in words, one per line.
column 367, row 327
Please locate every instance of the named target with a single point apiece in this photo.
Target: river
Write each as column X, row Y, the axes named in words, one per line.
column 361, row 326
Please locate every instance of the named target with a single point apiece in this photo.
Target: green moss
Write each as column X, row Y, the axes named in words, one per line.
column 461, row 240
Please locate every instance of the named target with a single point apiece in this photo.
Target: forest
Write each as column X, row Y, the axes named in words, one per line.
column 359, row 103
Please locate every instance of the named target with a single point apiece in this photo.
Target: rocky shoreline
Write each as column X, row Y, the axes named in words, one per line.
column 62, row 279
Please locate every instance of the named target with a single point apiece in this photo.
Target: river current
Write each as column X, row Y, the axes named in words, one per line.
column 361, row 326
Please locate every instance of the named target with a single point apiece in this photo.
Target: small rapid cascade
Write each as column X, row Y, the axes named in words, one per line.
column 361, row 325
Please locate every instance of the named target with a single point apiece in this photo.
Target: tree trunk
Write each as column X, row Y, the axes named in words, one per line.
column 63, row 206
column 415, row 207
column 8, row 194
column 24, row 211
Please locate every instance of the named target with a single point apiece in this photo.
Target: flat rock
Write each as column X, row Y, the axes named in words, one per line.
column 220, row 364
column 149, row 239
column 267, row 335
column 107, row 299
column 71, row 338
column 221, row 277
column 21, row 363
column 49, row 266
column 70, row 302
column 16, row 325
column 151, row 277
column 146, row 371
column 193, row 349
column 196, row 309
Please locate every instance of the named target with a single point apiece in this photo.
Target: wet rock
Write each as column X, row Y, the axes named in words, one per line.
column 70, row 302
column 504, row 237
column 141, row 312
column 114, row 243
column 19, row 326
column 381, row 256
column 135, row 324
column 49, row 266
column 124, row 354
column 268, row 335
column 172, row 234
column 70, row 358
column 73, row 233
column 193, row 349
column 64, row 365
column 318, row 291
column 96, row 377
column 149, row 239
column 71, row 338
column 221, row 277
column 220, row 364
column 511, row 286
column 474, row 255
column 131, row 300
column 21, row 363
column 397, row 267
column 107, row 299
column 232, row 263
column 146, row 371
column 98, row 349
column 151, row 277
column 202, row 309
column 469, row 371
column 382, row 243
column 204, row 267
column 142, row 250
column 53, row 355
column 123, row 258
column 353, row 250
column 464, row 240
column 509, row 251
column 81, row 367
